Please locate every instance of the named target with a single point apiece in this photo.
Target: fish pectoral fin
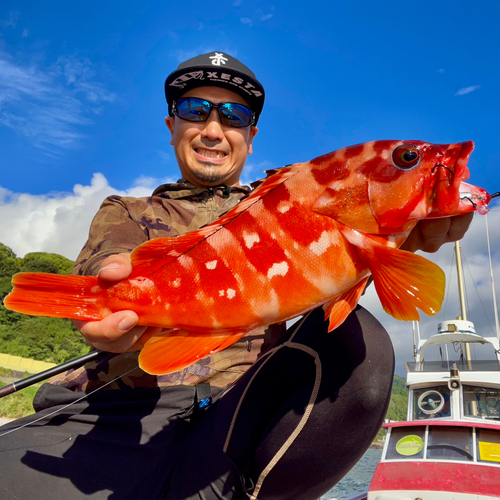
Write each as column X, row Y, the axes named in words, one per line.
column 172, row 350
column 405, row 282
column 339, row 308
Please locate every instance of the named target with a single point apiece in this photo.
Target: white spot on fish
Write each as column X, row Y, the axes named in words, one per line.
column 211, row 265
column 221, row 293
column 176, row 283
column 251, row 239
column 95, row 289
column 320, row 246
column 284, row 206
column 278, row 269
column 230, row 293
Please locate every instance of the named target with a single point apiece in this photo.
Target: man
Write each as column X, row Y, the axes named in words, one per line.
column 278, row 415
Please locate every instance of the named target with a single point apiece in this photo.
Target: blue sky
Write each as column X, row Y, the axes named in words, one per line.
column 82, row 103
column 81, row 86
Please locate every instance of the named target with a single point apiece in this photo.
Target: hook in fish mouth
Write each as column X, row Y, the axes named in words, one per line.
column 468, row 197
column 444, row 166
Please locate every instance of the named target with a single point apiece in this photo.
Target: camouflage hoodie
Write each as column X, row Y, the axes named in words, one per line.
column 123, row 223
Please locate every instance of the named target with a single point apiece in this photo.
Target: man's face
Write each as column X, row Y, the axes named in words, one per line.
column 209, row 153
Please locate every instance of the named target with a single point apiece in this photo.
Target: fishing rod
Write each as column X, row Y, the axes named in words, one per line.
column 39, row 377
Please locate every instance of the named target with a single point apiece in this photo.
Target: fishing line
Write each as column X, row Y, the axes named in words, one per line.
column 68, row 405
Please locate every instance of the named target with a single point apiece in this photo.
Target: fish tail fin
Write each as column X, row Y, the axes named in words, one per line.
column 54, row 295
column 172, row 350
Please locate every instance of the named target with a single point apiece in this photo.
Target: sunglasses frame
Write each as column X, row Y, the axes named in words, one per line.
column 212, row 107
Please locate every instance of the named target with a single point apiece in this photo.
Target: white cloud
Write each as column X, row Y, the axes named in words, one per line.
column 467, row 90
column 164, row 156
column 12, row 22
column 441, row 70
column 246, row 20
column 50, row 105
column 266, row 17
column 58, row 222
column 253, row 172
column 237, row 3
column 25, row 33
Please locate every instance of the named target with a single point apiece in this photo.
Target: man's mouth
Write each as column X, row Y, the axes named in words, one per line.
column 210, row 153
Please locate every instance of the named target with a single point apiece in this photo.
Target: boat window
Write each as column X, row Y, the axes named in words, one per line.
column 481, row 402
column 433, row 402
column 406, row 443
column 450, row 443
column 488, row 445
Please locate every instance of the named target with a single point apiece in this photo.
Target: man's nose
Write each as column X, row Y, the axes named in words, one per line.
column 213, row 127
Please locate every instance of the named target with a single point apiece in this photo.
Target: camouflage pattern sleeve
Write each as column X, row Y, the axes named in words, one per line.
column 112, row 231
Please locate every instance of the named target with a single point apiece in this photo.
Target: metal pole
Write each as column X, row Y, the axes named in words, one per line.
column 495, row 309
column 39, row 377
column 464, row 312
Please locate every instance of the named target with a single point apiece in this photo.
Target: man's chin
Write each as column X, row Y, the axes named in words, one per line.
column 210, row 177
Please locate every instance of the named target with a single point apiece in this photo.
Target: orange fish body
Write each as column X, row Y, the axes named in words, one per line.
column 309, row 234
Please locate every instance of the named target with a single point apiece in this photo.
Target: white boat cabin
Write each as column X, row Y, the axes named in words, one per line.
column 449, row 447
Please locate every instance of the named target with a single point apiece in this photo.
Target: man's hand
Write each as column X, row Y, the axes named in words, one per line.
column 429, row 235
column 117, row 332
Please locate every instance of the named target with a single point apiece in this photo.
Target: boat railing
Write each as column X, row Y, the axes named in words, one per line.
column 446, row 366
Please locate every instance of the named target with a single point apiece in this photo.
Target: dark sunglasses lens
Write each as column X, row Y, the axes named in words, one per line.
column 235, row 115
column 193, row 109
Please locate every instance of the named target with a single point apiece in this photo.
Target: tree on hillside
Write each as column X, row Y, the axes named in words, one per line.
column 42, row 262
column 9, row 262
column 9, row 265
column 46, row 339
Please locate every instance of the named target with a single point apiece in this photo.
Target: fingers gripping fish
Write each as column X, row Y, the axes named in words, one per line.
column 309, row 234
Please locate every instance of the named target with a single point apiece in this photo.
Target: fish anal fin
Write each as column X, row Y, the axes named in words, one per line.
column 339, row 308
column 405, row 282
column 173, row 350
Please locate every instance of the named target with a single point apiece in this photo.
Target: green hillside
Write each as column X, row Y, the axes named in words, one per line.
column 54, row 340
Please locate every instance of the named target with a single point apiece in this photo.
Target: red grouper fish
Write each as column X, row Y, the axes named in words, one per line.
column 309, row 234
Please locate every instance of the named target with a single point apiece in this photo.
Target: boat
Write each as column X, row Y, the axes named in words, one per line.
column 449, row 446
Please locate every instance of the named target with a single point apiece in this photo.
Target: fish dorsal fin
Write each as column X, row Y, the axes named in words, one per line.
column 339, row 308
column 404, row 281
column 169, row 249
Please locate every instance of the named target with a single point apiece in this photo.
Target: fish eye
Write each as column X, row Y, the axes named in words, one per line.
column 406, row 156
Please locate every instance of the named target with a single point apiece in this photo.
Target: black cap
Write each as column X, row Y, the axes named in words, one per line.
column 219, row 70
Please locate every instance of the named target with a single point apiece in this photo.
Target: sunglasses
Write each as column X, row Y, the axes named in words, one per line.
column 194, row 109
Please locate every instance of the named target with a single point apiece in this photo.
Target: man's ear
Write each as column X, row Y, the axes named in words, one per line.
column 170, row 122
column 253, row 133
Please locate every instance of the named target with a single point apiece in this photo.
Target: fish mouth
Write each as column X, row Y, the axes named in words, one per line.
column 452, row 194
